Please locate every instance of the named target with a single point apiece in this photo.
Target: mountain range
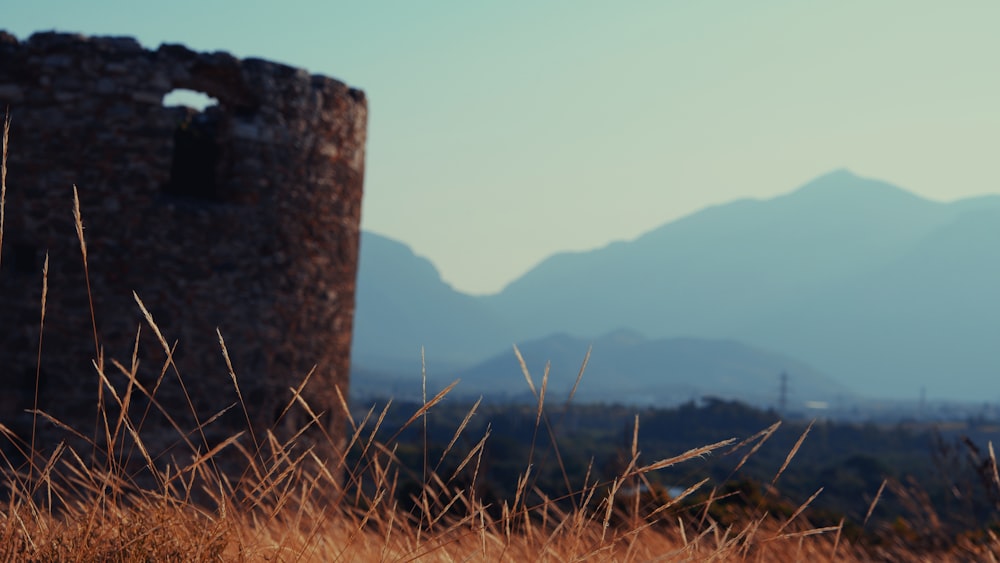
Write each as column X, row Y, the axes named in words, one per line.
column 872, row 286
column 626, row 367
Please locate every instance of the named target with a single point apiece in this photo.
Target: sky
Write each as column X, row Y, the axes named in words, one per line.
column 503, row 132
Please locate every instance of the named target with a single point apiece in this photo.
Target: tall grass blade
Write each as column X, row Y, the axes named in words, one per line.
column 791, row 454
column 871, row 507
column 38, row 359
column 3, row 177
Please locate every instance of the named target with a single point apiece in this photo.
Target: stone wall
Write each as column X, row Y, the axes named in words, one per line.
column 244, row 216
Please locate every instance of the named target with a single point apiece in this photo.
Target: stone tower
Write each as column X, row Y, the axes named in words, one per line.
column 242, row 217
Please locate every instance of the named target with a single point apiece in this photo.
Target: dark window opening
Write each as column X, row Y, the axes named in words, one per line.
column 25, row 258
column 244, row 112
column 196, row 158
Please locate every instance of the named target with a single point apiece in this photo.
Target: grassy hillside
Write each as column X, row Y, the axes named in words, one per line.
column 107, row 497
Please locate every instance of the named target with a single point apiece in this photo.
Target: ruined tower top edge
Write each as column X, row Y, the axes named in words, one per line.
column 49, row 42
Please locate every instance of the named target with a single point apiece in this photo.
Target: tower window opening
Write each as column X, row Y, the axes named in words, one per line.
column 193, row 99
column 195, row 159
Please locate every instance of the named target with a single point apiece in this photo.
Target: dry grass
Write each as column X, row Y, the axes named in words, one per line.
column 287, row 505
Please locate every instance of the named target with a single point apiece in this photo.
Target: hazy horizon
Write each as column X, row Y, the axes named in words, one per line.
column 502, row 133
column 417, row 251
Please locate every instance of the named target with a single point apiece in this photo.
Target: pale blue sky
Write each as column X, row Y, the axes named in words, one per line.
column 503, row 132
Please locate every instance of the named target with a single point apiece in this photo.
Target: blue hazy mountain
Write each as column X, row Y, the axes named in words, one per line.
column 929, row 317
column 626, row 367
column 403, row 305
column 698, row 274
column 886, row 291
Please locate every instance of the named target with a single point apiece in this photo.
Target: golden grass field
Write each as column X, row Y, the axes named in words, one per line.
column 68, row 504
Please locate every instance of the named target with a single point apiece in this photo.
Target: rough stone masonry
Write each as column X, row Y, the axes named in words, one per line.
column 242, row 217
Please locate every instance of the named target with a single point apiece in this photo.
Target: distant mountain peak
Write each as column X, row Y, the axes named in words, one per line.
column 842, row 185
column 838, row 174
